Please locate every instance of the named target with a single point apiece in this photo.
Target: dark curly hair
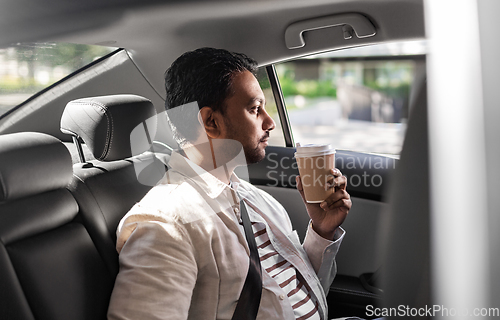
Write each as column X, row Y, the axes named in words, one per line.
column 204, row 76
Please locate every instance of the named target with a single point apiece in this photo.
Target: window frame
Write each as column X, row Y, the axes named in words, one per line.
column 280, row 101
column 280, row 105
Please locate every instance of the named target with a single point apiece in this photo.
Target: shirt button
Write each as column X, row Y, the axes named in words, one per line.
column 236, row 210
column 282, row 297
column 328, row 250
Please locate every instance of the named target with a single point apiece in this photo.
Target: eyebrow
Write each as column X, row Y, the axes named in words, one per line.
column 262, row 101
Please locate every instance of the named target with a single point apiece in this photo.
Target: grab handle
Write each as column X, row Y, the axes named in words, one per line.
column 351, row 21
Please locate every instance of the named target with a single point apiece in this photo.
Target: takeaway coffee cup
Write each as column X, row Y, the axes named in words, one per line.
column 314, row 162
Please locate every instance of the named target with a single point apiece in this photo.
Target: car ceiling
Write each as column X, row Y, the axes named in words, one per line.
column 156, row 32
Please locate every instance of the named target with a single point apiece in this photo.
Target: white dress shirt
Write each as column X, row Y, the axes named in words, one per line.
column 183, row 254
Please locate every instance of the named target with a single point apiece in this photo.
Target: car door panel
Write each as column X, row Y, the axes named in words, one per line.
column 356, row 259
column 357, row 254
column 367, row 174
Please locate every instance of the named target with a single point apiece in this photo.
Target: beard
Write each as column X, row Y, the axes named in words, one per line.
column 257, row 154
column 252, row 154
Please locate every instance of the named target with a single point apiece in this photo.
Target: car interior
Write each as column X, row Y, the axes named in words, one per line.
column 78, row 154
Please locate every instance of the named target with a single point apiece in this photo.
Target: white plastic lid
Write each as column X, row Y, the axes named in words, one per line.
column 313, row 150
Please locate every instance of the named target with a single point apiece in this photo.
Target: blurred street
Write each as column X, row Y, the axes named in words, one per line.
column 323, row 123
column 355, row 135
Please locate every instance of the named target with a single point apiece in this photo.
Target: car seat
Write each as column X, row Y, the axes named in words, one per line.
column 50, row 267
column 118, row 130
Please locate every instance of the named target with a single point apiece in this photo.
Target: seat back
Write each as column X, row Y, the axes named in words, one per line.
column 118, row 131
column 50, row 267
column 406, row 250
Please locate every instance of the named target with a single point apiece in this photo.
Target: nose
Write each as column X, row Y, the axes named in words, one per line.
column 268, row 123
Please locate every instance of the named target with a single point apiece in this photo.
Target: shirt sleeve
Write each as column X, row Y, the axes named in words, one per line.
column 321, row 253
column 157, row 274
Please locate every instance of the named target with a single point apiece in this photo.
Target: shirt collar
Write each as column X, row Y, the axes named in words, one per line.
column 204, row 179
column 234, row 182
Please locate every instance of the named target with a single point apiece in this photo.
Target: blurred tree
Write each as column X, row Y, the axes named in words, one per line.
column 24, row 64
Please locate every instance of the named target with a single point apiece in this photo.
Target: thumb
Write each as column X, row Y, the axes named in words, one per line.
column 299, row 186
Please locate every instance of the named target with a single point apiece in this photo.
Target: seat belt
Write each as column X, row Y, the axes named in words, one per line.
column 249, row 301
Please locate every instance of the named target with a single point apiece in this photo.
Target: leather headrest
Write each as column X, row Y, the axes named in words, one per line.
column 32, row 163
column 106, row 123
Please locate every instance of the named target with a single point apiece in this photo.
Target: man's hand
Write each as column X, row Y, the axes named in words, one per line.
column 328, row 216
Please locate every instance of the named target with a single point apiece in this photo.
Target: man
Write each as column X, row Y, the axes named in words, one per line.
column 183, row 252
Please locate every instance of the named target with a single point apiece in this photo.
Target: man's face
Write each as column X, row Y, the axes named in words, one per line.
column 246, row 119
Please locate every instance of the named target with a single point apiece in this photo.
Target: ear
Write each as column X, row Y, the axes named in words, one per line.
column 209, row 120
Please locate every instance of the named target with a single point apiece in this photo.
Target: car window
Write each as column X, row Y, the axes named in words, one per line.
column 357, row 99
column 27, row 68
column 276, row 137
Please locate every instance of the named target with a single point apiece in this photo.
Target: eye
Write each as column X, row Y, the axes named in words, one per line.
column 255, row 109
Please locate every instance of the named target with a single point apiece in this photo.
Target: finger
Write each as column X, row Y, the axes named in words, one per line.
column 334, row 197
column 344, row 204
column 330, row 182
column 335, row 172
column 338, row 182
column 298, row 181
